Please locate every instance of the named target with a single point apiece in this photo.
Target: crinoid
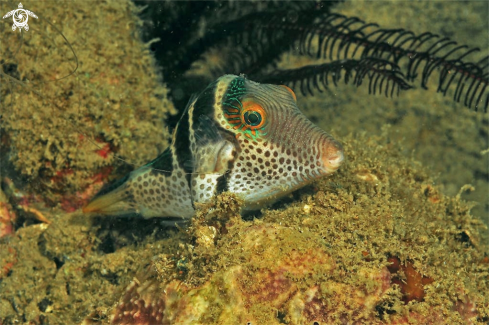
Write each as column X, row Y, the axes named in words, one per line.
column 252, row 39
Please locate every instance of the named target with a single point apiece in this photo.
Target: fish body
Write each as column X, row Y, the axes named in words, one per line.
column 236, row 135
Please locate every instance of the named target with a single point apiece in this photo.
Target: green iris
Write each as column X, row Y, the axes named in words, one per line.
column 252, row 118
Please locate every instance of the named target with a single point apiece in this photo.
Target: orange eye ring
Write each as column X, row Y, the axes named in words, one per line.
column 253, row 115
column 291, row 92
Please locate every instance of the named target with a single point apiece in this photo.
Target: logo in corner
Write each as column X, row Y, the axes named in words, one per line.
column 20, row 17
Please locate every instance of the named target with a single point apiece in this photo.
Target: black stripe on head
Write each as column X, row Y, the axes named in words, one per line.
column 204, row 111
column 205, row 103
column 182, row 145
column 203, row 122
column 222, row 183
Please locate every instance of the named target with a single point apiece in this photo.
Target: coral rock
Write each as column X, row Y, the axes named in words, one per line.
column 281, row 277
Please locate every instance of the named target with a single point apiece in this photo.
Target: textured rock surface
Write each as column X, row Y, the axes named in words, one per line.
column 61, row 128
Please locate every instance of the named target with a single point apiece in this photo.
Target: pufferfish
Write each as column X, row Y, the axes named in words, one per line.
column 237, row 135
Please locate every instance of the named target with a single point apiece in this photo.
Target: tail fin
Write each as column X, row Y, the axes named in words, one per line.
column 115, row 199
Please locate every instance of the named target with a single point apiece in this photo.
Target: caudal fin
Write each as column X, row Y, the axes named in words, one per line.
column 113, row 200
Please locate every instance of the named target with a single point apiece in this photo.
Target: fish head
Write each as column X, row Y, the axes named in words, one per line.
column 277, row 149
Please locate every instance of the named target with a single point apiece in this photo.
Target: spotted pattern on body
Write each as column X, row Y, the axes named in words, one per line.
column 237, row 135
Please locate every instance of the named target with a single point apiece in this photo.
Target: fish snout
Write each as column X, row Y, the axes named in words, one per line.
column 332, row 155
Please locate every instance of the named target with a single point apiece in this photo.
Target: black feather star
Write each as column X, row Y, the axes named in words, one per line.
column 391, row 59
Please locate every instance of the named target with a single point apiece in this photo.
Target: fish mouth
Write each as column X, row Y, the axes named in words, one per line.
column 333, row 158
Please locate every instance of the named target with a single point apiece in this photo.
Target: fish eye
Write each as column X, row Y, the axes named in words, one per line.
column 252, row 118
column 253, row 115
column 248, row 117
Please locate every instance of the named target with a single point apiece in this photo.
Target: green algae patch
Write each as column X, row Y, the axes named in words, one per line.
column 63, row 130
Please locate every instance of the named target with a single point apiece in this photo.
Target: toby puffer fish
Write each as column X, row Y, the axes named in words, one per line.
column 238, row 136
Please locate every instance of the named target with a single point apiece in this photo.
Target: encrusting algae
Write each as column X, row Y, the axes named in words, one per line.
column 387, row 248
column 65, row 132
column 377, row 242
